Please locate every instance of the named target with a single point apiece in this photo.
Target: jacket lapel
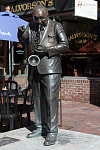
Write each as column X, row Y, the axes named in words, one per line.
column 47, row 30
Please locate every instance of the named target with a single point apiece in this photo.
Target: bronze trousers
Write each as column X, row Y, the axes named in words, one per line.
column 45, row 96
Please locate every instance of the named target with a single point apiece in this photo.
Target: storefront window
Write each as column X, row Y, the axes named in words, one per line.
column 14, row 60
column 85, row 65
column 4, row 56
column 84, row 49
column 19, row 59
column 1, row 54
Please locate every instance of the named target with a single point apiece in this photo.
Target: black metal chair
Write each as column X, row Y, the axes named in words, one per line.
column 8, row 103
column 24, row 107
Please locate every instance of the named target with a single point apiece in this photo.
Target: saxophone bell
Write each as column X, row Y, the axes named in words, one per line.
column 33, row 60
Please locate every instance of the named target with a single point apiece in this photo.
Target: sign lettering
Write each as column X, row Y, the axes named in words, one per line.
column 30, row 6
column 84, row 35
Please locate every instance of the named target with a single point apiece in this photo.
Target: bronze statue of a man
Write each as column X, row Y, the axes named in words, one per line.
column 48, row 40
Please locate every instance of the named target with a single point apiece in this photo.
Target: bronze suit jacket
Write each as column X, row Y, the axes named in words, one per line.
column 55, row 40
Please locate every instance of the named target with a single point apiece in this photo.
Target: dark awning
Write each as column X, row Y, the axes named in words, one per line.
column 63, row 5
column 26, row 6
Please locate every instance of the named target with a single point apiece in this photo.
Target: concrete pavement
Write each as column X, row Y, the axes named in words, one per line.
column 67, row 140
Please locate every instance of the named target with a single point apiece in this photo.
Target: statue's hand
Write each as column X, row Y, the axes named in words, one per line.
column 20, row 32
column 40, row 48
column 41, row 51
column 21, row 29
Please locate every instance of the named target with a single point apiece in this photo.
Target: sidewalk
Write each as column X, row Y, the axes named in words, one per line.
column 76, row 116
column 81, row 117
column 80, row 130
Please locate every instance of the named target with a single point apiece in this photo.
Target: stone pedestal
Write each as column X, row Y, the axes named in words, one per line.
column 67, row 140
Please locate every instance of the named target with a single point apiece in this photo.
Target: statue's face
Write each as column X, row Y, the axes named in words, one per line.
column 39, row 19
column 40, row 15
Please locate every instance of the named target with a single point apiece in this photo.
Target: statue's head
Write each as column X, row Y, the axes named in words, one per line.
column 40, row 14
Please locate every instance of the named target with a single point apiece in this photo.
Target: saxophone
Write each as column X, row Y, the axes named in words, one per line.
column 34, row 60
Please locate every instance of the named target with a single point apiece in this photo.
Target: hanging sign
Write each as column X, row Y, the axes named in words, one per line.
column 86, row 8
column 30, row 5
column 26, row 6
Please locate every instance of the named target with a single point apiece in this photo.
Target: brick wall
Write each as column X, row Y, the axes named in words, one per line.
column 81, row 89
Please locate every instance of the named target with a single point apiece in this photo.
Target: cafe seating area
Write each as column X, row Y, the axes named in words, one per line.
column 13, row 105
column 16, row 102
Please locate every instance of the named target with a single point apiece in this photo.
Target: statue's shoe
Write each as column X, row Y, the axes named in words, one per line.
column 35, row 133
column 50, row 139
